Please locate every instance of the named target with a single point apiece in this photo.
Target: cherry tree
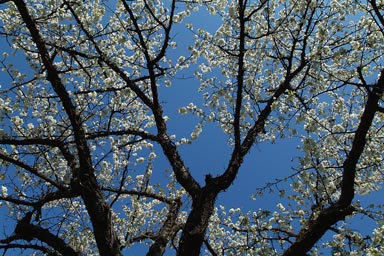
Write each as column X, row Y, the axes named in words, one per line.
column 84, row 124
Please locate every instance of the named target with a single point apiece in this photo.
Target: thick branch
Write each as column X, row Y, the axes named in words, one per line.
column 183, row 176
column 240, row 78
column 166, row 232
column 348, row 182
column 377, row 12
column 58, row 86
column 84, row 180
column 315, row 229
column 309, row 235
column 27, row 231
column 43, row 249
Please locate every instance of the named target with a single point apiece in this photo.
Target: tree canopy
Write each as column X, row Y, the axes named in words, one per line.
column 84, row 124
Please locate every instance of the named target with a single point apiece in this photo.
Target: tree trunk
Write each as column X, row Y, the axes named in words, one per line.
column 194, row 230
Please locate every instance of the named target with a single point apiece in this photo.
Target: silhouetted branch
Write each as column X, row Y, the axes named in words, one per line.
column 26, row 231
column 316, row 228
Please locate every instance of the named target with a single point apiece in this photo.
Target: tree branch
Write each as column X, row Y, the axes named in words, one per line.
column 84, row 181
column 27, row 231
column 141, row 193
column 48, row 142
column 167, row 231
column 30, row 169
column 316, row 228
column 43, row 249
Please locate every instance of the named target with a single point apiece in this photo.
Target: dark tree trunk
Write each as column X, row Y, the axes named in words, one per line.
column 194, row 230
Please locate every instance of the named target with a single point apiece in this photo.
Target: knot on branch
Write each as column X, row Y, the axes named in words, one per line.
column 23, row 227
column 208, row 178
